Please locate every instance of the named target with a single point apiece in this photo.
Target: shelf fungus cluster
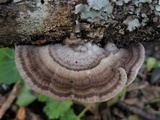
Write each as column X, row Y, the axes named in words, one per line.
column 85, row 73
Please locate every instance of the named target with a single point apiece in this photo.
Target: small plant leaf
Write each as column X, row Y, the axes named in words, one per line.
column 151, row 61
column 25, row 97
column 54, row 108
column 69, row 115
column 8, row 70
column 42, row 98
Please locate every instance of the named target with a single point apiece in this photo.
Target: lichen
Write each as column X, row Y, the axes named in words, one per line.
column 132, row 23
column 94, row 9
column 105, row 10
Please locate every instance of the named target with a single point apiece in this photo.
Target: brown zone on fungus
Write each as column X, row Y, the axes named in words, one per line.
column 69, row 93
column 39, row 84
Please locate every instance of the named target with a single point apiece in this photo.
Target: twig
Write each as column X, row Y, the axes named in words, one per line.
column 10, row 99
column 85, row 109
column 138, row 111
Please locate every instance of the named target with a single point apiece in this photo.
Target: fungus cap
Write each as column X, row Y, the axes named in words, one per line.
column 84, row 73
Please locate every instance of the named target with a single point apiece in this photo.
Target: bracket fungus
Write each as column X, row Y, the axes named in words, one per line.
column 85, row 73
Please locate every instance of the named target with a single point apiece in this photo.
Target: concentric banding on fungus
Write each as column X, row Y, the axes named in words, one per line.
column 98, row 75
column 131, row 59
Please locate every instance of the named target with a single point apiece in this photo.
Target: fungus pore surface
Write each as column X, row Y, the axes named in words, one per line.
column 85, row 73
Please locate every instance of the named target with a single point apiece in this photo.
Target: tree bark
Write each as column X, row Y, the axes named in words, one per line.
column 49, row 21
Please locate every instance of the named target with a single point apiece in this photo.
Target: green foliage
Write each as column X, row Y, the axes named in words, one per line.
column 9, row 74
column 42, row 98
column 25, row 97
column 55, row 109
column 151, row 61
column 69, row 115
column 8, row 70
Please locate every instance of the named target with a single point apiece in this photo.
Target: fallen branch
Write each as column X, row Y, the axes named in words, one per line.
column 10, row 99
column 142, row 113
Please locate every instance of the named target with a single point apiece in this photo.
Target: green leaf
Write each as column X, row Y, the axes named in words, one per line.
column 151, row 61
column 42, row 98
column 69, row 115
column 8, row 70
column 25, row 97
column 54, row 108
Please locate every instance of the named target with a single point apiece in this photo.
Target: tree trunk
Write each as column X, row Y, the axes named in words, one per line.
column 49, row 21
